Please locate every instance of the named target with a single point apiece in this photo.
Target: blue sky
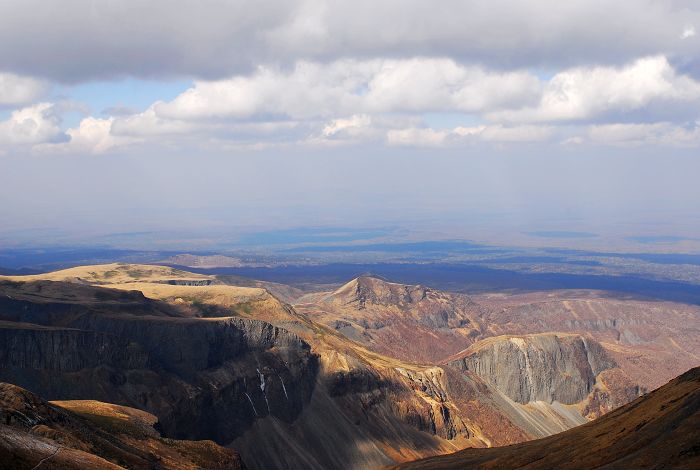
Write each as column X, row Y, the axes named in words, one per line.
column 557, row 116
column 104, row 98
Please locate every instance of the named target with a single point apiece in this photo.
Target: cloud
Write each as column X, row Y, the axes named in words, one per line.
column 92, row 136
column 590, row 92
column 84, row 40
column 423, row 137
column 386, row 102
column 34, row 124
column 660, row 133
column 312, row 90
column 15, row 89
column 354, row 126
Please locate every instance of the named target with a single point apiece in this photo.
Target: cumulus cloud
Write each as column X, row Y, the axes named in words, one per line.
column 351, row 101
column 588, row 92
column 92, row 136
column 353, row 126
column 84, row 40
column 35, row 124
column 316, row 90
column 15, row 89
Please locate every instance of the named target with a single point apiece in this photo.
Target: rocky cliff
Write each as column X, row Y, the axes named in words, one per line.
column 545, row 367
column 203, row 378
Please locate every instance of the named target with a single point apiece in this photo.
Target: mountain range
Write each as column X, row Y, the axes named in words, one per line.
column 364, row 375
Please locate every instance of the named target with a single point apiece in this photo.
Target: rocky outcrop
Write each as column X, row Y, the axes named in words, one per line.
column 409, row 322
column 438, row 414
column 369, row 289
column 545, row 367
column 76, row 435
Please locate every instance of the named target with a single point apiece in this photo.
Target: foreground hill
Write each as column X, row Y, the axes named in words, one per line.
column 91, row 434
column 658, row 430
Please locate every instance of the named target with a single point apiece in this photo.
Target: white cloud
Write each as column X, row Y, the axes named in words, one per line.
column 688, row 32
column 34, row 124
column 586, row 93
column 352, row 126
column 92, row 136
column 312, row 90
column 15, row 89
column 443, row 85
column 149, row 123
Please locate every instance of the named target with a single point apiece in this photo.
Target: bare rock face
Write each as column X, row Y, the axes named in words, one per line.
column 545, row 367
column 202, row 378
column 439, row 415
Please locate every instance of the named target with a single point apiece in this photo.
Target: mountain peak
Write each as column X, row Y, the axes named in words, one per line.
column 371, row 289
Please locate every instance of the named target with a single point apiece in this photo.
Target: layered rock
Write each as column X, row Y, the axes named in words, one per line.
column 546, row 367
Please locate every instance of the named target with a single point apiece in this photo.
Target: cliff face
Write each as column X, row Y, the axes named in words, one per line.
column 546, row 367
column 203, row 378
column 66, row 350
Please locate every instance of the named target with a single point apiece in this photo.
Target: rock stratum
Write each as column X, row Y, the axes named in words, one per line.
column 368, row 375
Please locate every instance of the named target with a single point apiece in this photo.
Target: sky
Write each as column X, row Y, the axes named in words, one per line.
column 477, row 120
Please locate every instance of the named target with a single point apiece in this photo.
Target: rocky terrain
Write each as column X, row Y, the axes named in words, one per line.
column 364, row 376
column 658, row 430
column 653, row 341
column 90, row 434
column 414, row 323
